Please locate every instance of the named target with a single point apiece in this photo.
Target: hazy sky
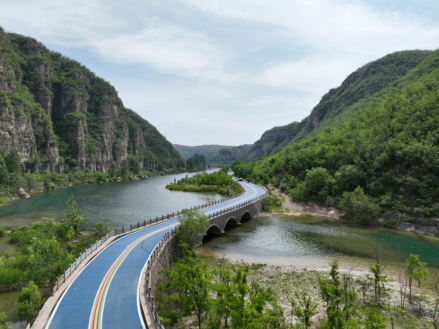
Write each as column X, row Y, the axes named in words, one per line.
column 223, row 72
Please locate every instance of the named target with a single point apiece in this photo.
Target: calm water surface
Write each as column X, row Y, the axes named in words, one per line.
column 118, row 203
column 316, row 241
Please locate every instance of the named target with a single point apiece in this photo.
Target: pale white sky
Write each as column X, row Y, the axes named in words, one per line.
column 223, row 72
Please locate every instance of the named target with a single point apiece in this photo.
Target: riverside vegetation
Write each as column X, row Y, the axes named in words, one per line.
column 43, row 251
column 381, row 154
column 11, row 177
column 200, row 291
column 220, row 182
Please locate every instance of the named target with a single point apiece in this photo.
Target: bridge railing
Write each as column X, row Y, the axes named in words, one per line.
column 125, row 229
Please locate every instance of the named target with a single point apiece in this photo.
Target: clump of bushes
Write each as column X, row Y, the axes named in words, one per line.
column 220, row 182
column 2, row 231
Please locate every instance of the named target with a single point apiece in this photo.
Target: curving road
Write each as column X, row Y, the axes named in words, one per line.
column 105, row 293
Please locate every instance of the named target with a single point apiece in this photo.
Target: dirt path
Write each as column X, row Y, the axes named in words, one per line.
column 291, row 208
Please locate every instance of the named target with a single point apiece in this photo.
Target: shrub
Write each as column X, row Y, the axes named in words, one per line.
column 16, row 236
column 77, row 182
column 359, row 207
column 348, row 178
column 101, row 176
column 2, row 231
column 271, row 200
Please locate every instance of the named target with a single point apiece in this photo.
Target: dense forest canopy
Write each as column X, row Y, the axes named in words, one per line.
column 196, row 163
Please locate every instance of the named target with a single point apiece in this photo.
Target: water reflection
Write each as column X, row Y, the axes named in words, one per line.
column 306, row 242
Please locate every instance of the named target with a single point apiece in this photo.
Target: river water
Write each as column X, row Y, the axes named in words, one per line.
column 316, row 241
column 275, row 240
column 117, row 203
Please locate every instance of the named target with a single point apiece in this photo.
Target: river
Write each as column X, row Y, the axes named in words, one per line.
column 117, row 203
column 274, row 240
column 316, row 241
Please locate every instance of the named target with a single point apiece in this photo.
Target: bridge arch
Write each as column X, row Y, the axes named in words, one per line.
column 214, row 229
column 246, row 215
column 232, row 221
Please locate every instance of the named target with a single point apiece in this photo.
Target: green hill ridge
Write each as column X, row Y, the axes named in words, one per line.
column 387, row 144
column 361, row 84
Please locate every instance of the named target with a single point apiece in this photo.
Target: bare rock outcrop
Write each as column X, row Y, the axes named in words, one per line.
column 22, row 194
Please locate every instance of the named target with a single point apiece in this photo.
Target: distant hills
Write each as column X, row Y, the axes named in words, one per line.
column 189, row 151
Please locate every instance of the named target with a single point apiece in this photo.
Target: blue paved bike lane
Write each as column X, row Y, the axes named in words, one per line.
column 121, row 305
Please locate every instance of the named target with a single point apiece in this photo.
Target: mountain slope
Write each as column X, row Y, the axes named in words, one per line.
column 189, row 151
column 364, row 82
column 57, row 113
column 388, row 144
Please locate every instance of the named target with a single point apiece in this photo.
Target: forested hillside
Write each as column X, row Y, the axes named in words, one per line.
column 384, row 153
column 58, row 114
column 196, row 163
column 359, row 85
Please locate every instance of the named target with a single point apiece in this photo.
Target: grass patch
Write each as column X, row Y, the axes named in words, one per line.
column 6, row 247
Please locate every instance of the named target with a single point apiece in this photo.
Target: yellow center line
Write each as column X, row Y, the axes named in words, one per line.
column 236, row 202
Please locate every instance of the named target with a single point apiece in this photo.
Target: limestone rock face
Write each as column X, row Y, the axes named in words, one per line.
column 22, row 193
column 52, row 103
column 232, row 153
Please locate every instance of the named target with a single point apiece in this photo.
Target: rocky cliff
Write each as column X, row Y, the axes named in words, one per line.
column 359, row 85
column 57, row 113
column 227, row 155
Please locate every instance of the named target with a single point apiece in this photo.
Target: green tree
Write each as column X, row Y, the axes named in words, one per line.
column 12, row 159
column 415, row 270
column 102, row 229
column 315, row 179
column 29, row 301
column 72, row 219
column 378, row 280
column 124, row 168
column 30, row 181
column 224, row 290
column 332, row 294
column 4, row 324
column 225, row 169
column 348, row 178
column 305, row 308
column 4, row 173
column 112, row 169
column 189, row 284
column 192, row 227
column 359, row 207
column 374, row 319
column 136, row 167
